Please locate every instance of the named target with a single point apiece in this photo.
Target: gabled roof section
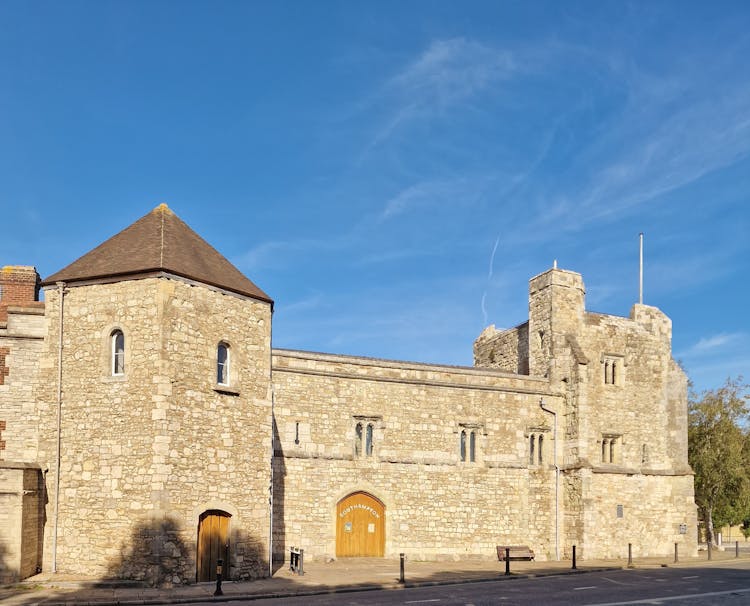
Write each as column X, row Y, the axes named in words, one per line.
column 158, row 242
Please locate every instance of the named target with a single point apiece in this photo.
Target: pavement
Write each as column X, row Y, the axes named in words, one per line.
column 343, row 575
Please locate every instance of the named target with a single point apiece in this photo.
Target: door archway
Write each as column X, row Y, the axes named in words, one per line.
column 360, row 526
column 213, row 543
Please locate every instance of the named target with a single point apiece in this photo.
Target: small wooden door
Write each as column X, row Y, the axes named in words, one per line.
column 360, row 526
column 213, row 543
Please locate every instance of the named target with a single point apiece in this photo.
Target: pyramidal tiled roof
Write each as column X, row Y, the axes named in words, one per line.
column 158, row 242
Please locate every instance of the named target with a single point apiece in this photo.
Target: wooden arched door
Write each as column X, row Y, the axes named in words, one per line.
column 213, row 543
column 360, row 526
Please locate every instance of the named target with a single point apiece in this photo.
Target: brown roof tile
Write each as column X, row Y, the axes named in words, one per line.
column 159, row 241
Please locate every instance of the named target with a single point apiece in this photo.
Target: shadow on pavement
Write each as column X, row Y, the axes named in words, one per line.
column 354, row 574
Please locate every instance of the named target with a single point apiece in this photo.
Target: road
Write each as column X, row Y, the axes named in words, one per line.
column 727, row 584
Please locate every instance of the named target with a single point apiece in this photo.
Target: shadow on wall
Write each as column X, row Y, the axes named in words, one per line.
column 279, row 479
column 156, row 555
column 247, row 558
column 6, row 575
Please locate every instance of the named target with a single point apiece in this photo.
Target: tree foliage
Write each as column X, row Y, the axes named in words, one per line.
column 719, row 453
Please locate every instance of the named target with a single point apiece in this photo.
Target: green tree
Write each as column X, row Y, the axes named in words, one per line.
column 745, row 528
column 719, row 454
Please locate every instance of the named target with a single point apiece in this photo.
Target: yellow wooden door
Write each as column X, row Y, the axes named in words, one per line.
column 213, row 543
column 360, row 526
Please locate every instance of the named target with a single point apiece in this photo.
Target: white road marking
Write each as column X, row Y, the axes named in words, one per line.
column 422, row 601
column 615, row 582
column 672, row 598
column 582, row 588
column 692, row 576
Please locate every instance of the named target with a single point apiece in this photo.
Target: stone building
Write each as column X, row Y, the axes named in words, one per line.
column 149, row 428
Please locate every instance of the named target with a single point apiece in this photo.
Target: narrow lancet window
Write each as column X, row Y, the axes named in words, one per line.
column 222, row 364
column 358, row 440
column 368, row 440
column 541, row 450
column 118, row 353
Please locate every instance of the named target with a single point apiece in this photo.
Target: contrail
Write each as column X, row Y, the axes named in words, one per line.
column 489, row 277
column 492, row 256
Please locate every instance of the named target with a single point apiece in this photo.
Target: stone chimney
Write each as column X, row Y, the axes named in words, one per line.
column 19, row 286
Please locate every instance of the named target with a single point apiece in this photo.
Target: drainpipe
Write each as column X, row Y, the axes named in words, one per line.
column 557, row 479
column 270, row 495
column 273, row 446
column 61, row 289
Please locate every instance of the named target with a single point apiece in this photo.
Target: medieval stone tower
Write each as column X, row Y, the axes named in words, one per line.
column 623, row 419
column 153, row 397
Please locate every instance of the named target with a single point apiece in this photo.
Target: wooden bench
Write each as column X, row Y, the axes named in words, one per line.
column 516, row 552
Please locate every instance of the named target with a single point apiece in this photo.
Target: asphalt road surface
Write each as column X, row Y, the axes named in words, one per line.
column 725, row 584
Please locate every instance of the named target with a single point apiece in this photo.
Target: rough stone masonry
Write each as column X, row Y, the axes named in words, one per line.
column 149, row 428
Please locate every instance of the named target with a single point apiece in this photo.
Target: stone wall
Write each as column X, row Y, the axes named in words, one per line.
column 437, row 506
column 624, row 416
column 506, row 350
column 21, row 344
column 146, row 452
column 644, row 510
column 21, row 521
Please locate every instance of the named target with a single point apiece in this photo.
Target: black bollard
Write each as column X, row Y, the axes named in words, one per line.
column 507, row 560
column 401, row 575
column 301, row 562
column 736, row 549
column 630, row 554
column 574, row 557
column 676, row 559
column 218, row 578
column 709, row 550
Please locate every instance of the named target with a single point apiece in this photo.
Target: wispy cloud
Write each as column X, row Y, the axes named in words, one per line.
column 447, row 73
column 644, row 154
column 450, row 71
column 303, row 305
column 711, row 344
column 435, row 194
column 276, row 253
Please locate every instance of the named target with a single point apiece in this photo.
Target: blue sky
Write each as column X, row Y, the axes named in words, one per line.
column 393, row 173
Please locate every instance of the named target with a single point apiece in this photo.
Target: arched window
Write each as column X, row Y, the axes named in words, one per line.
column 541, row 449
column 531, row 449
column 118, row 352
column 368, row 440
column 358, row 440
column 222, row 364
column 364, row 438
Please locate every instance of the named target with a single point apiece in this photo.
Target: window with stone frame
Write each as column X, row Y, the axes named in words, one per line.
column 537, row 448
column 117, row 340
column 611, row 445
column 468, row 442
column 366, row 432
column 222, row 363
column 613, row 369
